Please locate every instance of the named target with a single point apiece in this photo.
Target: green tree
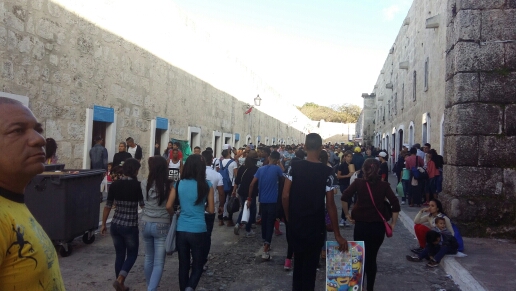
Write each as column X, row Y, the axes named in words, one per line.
column 345, row 113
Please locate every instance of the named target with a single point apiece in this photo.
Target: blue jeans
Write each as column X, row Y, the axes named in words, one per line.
column 406, row 190
column 126, row 241
column 437, row 251
column 187, row 242
column 268, row 218
column 210, row 220
column 154, row 236
column 252, row 214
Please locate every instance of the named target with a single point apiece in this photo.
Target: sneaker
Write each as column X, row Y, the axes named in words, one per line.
column 347, row 224
column 417, row 250
column 250, row 234
column 266, row 256
column 413, row 258
column 277, row 232
column 236, row 229
column 426, row 204
column 341, row 222
column 402, row 202
column 433, row 264
column 288, row 265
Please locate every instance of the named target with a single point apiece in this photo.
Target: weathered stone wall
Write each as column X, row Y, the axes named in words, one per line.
column 365, row 128
column 402, row 101
column 66, row 64
column 480, row 124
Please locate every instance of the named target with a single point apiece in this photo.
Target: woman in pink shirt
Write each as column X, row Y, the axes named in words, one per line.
column 433, row 172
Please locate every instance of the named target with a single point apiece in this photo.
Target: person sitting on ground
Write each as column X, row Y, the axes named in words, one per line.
column 439, row 242
column 425, row 220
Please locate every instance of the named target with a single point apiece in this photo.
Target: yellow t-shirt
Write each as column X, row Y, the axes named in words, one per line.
column 28, row 259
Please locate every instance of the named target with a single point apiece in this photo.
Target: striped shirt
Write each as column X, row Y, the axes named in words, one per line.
column 128, row 195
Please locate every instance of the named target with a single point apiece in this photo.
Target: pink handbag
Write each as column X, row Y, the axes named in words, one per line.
column 388, row 229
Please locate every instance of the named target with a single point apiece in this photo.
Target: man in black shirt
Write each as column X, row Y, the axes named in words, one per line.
column 308, row 183
column 384, row 169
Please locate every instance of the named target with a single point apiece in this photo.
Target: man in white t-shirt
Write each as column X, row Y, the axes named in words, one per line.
column 134, row 149
column 232, row 168
column 218, row 187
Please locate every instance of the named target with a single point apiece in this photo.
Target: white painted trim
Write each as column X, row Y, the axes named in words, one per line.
column 110, row 141
column 87, row 139
column 227, row 135
column 217, row 150
column 441, row 137
column 412, row 133
column 23, row 99
column 236, row 143
column 152, row 137
column 193, row 143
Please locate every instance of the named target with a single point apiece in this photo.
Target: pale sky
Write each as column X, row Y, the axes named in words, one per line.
column 327, row 51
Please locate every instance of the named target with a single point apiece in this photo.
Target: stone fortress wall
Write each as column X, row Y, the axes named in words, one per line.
column 406, row 105
column 453, row 66
column 67, row 56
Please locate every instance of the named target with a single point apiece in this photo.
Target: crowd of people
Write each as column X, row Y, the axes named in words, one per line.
column 294, row 185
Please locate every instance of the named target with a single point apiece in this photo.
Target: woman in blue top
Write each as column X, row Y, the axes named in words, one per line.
column 195, row 194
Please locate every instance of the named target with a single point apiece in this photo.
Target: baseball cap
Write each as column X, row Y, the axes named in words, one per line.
column 358, row 150
column 382, row 154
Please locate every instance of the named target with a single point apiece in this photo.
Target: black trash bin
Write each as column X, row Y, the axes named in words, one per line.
column 66, row 204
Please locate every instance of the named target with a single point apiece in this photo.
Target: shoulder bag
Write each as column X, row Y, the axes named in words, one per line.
column 170, row 242
column 418, row 172
column 388, row 229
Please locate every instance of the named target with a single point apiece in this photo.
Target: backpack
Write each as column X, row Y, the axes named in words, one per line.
column 223, row 170
column 418, row 172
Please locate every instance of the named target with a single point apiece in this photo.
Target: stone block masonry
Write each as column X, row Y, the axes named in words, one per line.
column 480, row 134
column 66, row 64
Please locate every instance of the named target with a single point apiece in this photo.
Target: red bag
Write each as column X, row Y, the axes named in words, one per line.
column 388, row 229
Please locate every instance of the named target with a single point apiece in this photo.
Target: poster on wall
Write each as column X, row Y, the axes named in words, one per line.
column 345, row 271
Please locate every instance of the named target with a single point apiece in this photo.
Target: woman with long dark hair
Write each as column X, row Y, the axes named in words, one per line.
column 369, row 225
column 193, row 192
column 124, row 225
column 243, row 180
column 50, row 151
column 425, row 220
column 155, row 219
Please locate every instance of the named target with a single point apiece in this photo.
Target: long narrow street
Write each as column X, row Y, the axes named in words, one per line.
column 235, row 264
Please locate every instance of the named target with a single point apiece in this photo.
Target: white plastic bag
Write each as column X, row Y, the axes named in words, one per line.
column 246, row 212
column 353, row 177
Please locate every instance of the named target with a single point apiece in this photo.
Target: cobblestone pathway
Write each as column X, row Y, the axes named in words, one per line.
column 236, row 264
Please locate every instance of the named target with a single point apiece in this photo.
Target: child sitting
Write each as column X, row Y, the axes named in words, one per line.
column 439, row 242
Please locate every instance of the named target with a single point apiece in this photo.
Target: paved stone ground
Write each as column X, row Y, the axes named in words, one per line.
column 235, row 264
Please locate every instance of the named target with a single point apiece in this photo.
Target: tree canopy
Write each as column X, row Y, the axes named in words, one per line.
column 345, row 113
